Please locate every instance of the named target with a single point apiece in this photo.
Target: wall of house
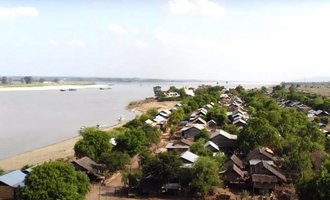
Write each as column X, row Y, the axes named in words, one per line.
column 6, row 192
column 193, row 132
column 224, row 142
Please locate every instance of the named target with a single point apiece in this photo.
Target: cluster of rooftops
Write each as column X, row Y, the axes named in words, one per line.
column 310, row 112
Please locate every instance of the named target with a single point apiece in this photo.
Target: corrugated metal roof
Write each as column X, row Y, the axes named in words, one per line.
column 189, row 156
column 212, row 144
column 223, row 133
column 13, row 179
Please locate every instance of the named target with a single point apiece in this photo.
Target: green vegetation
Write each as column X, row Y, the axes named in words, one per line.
column 317, row 187
column 93, row 144
column 205, row 175
column 292, row 93
column 55, row 180
column 285, row 130
column 199, row 149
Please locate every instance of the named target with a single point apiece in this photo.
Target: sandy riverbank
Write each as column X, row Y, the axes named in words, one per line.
column 64, row 149
column 148, row 103
column 49, row 87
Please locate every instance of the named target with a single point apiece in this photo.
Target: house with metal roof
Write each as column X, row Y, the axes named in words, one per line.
column 188, row 157
column 225, row 141
column 10, row 182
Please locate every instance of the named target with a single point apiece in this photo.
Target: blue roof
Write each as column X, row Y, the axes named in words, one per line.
column 13, row 179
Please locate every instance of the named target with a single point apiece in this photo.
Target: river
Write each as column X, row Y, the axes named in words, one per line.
column 33, row 119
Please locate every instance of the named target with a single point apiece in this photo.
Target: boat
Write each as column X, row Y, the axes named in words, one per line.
column 121, row 118
column 62, row 90
column 105, row 88
column 72, row 89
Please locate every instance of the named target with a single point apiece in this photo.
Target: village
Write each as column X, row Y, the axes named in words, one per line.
column 211, row 129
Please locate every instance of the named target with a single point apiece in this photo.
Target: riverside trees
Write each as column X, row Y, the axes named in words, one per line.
column 55, row 180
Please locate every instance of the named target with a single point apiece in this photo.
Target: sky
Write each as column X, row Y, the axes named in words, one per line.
column 255, row 40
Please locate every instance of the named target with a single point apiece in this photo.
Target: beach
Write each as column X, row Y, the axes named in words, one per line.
column 64, row 149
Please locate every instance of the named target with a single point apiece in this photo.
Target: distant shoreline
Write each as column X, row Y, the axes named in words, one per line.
column 48, row 87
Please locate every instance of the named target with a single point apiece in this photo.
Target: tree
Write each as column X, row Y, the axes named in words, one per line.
column 28, row 79
column 205, row 175
column 132, row 142
column 41, row 80
column 115, row 160
column 93, row 144
column 4, row 80
column 258, row 133
column 151, row 133
column 176, row 117
column 1, row 171
column 316, row 188
column 55, row 180
column 165, row 167
column 199, row 148
column 218, row 114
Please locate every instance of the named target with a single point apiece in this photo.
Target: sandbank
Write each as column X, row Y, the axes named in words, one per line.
column 49, row 87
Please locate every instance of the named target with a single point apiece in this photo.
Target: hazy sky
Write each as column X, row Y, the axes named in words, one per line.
column 255, row 40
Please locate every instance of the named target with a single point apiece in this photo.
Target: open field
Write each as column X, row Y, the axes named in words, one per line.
column 320, row 89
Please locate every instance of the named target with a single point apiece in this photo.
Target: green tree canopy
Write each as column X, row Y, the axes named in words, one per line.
column 205, row 175
column 132, row 141
column 93, row 144
column 115, row 160
column 55, row 180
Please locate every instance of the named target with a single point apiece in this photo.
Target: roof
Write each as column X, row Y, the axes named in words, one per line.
column 88, row 164
column 210, row 143
column 113, row 141
column 13, row 179
column 256, row 151
column 237, row 161
column 200, row 120
column 185, row 141
column 256, row 161
column 238, row 171
column 173, row 146
column 189, row 156
column 159, row 118
column 239, row 120
column 274, row 171
column 223, row 133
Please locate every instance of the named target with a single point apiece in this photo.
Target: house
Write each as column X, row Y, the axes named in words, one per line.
column 188, row 158
column 192, row 131
column 90, row 167
column 225, row 141
column 189, row 92
column 208, row 106
column 321, row 113
column 234, row 175
column 265, row 176
column 199, row 120
column 180, row 146
column 261, row 154
column 147, row 186
column 171, row 94
column 10, row 183
column 211, row 124
column 202, row 111
column 234, row 160
column 171, row 188
column 239, row 123
column 213, row 147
